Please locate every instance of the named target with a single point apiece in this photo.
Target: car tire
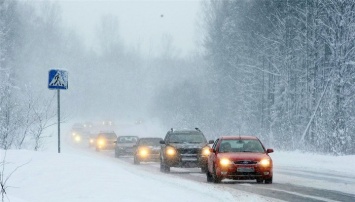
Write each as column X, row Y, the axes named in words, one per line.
column 209, row 176
column 163, row 167
column 268, row 181
column 259, row 181
column 204, row 169
column 136, row 161
column 215, row 178
column 116, row 155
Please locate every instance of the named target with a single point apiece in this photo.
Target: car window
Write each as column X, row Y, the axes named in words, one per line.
column 187, row 138
column 150, row 142
column 127, row 139
column 241, row 146
column 108, row 135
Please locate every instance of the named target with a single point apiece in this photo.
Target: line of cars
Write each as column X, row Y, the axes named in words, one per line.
column 227, row 157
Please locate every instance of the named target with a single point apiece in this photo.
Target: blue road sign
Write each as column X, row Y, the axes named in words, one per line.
column 58, row 79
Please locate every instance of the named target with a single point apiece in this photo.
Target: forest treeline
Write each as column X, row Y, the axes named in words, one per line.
column 279, row 69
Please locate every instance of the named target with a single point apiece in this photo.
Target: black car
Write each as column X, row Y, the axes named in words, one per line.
column 184, row 148
column 147, row 149
column 125, row 145
column 105, row 141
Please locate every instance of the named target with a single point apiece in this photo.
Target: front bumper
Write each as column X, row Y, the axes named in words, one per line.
column 186, row 161
column 242, row 172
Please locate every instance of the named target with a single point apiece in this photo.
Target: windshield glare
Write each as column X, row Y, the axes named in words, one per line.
column 127, row 139
column 187, row 138
column 241, row 146
column 150, row 142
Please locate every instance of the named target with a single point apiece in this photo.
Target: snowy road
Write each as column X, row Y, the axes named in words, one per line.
column 290, row 184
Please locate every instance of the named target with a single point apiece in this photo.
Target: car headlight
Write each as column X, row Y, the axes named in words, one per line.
column 205, row 151
column 170, row 151
column 101, row 142
column 225, row 162
column 265, row 162
column 77, row 138
column 91, row 140
column 73, row 134
column 143, row 152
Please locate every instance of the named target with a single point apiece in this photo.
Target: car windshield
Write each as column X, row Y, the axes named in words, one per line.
column 241, row 146
column 127, row 139
column 150, row 141
column 108, row 135
column 190, row 137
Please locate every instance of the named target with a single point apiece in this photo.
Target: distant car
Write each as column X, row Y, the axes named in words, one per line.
column 125, row 145
column 147, row 149
column 239, row 158
column 184, row 148
column 105, row 141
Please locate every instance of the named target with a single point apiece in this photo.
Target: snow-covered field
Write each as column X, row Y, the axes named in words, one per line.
column 80, row 175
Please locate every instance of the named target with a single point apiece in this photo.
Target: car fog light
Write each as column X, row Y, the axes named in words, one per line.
column 266, row 173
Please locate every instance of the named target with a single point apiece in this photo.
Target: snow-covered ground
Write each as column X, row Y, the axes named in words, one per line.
column 79, row 175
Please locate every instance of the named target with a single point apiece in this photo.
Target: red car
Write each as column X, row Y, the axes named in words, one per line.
column 239, row 158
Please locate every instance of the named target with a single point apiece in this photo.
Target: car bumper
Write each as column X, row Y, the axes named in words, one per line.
column 238, row 172
column 186, row 161
column 149, row 157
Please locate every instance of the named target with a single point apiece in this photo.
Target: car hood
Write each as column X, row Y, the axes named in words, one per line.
column 125, row 144
column 150, row 147
column 188, row 145
column 239, row 156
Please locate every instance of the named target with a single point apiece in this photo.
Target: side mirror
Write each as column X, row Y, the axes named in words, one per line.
column 212, row 150
column 269, row 150
column 162, row 142
column 211, row 142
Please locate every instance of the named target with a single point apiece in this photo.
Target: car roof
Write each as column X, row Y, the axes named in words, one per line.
column 185, row 131
column 244, row 137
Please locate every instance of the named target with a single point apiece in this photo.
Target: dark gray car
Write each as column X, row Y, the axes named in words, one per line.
column 184, row 148
column 125, row 145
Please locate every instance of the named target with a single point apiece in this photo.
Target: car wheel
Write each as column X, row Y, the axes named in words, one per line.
column 268, row 181
column 215, row 178
column 259, row 181
column 163, row 167
column 204, row 169
column 136, row 161
column 209, row 176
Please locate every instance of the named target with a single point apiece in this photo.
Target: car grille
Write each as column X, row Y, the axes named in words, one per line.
column 189, row 151
column 246, row 162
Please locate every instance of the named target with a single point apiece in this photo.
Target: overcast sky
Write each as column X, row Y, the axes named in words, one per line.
column 141, row 22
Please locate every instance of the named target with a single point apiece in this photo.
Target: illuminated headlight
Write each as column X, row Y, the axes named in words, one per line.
column 77, row 138
column 73, row 134
column 206, row 151
column 91, row 140
column 225, row 162
column 170, row 151
column 265, row 162
column 143, row 152
column 101, row 142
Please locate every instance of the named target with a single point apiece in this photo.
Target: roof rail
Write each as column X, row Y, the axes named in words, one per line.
column 198, row 129
column 172, row 129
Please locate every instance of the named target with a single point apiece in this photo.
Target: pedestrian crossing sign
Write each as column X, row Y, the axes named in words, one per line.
column 58, row 79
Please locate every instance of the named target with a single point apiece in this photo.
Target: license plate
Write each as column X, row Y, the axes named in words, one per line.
column 189, row 159
column 245, row 169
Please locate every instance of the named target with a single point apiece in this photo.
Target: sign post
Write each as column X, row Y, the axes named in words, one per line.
column 58, row 79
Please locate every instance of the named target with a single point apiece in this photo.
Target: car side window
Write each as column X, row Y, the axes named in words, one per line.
column 215, row 144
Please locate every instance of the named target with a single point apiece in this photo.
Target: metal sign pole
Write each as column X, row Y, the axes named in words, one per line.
column 58, row 98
